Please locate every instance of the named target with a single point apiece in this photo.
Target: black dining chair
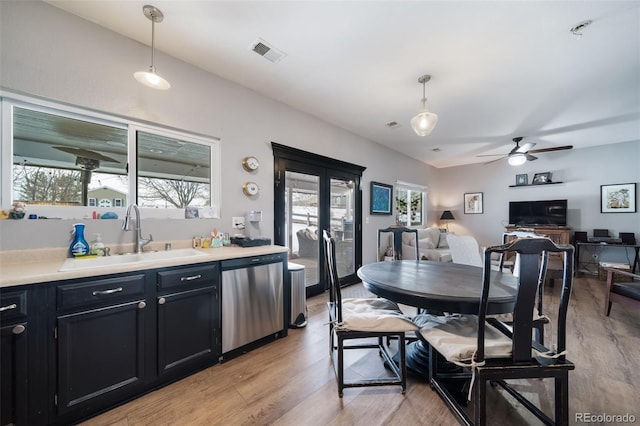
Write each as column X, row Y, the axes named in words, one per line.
column 539, row 318
column 490, row 351
column 393, row 237
column 364, row 320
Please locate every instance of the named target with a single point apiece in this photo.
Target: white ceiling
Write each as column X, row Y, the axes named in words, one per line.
column 499, row 69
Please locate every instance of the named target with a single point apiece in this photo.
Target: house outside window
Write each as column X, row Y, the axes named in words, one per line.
column 410, row 204
column 93, row 202
column 117, row 202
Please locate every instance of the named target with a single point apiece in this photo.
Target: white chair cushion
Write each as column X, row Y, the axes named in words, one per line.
column 456, row 337
column 374, row 314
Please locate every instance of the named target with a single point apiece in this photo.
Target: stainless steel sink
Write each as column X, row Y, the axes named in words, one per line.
column 124, row 259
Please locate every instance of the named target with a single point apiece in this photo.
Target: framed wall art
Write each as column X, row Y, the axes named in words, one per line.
column 381, row 198
column 473, row 202
column 522, row 179
column 542, row 178
column 618, row 198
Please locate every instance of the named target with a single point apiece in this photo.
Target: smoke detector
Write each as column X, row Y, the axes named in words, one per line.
column 267, row 51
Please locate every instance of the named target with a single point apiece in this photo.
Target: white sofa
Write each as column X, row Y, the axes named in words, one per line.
column 432, row 245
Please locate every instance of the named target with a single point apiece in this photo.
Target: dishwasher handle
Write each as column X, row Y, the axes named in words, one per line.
column 244, row 262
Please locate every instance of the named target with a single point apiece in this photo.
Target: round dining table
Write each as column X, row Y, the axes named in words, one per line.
column 437, row 287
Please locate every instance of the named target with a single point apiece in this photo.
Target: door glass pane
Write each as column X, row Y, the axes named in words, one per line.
column 302, row 236
column 342, row 210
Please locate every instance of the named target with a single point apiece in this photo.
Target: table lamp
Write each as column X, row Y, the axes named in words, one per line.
column 446, row 217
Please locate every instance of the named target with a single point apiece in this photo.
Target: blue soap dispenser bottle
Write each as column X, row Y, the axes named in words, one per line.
column 79, row 246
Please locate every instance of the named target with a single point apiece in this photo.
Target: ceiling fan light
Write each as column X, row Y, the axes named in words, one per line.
column 517, row 159
column 152, row 79
column 424, row 123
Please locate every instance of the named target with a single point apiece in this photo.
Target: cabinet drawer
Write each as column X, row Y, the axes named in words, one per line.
column 199, row 276
column 100, row 291
column 13, row 306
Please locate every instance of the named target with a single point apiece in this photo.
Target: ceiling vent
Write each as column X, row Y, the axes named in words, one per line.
column 267, row 51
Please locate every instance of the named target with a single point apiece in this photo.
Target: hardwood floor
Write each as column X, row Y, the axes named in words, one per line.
column 291, row 381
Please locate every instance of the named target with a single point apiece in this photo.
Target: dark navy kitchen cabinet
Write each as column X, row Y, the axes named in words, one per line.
column 188, row 315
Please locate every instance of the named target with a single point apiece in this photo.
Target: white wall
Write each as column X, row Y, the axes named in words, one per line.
column 49, row 53
column 582, row 171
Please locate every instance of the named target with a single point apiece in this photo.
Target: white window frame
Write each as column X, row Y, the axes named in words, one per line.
column 412, row 188
column 9, row 100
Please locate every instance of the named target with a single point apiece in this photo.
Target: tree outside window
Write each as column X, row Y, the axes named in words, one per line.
column 410, row 207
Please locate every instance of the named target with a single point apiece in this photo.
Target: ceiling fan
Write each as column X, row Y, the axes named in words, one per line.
column 521, row 154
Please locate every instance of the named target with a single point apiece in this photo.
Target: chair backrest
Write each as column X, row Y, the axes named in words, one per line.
column 395, row 240
column 510, row 236
column 532, row 274
column 628, row 238
column 386, row 239
column 464, row 249
column 335, row 297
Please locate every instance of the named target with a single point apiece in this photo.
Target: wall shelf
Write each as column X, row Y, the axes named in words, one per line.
column 534, row 184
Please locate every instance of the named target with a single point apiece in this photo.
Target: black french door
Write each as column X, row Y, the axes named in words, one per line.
column 314, row 193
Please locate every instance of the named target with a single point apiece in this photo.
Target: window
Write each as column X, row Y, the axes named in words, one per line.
column 58, row 155
column 172, row 171
column 410, row 204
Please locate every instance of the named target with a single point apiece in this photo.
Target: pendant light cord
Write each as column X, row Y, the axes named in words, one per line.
column 153, row 40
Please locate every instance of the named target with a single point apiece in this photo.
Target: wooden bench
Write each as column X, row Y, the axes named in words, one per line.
column 627, row 293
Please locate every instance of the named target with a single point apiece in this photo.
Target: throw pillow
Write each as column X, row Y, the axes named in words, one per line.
column 442, row 243
column 426, row 243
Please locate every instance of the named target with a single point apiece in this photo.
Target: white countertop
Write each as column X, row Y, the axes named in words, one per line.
column 39, row 266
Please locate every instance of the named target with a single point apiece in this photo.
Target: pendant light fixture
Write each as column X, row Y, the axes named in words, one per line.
column 151, row 78
column 425, row 121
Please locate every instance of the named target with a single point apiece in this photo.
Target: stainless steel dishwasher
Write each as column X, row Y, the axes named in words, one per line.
column 252, row 300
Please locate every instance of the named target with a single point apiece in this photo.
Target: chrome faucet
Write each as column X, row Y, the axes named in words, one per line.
column 140, row 242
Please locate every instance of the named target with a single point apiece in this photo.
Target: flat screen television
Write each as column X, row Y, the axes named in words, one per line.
column 544, row 212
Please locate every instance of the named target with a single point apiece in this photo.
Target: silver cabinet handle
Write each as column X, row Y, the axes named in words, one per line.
column 193, row 277
column 110, row 291
column 8, row 307
column 142, row 305
column 18, row 329
column 162, row 301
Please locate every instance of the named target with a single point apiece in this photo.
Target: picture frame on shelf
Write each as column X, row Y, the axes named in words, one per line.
column 522, row 179
column 473, row 203
column 541, row 178
column 618, row 198
column 381, row 199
